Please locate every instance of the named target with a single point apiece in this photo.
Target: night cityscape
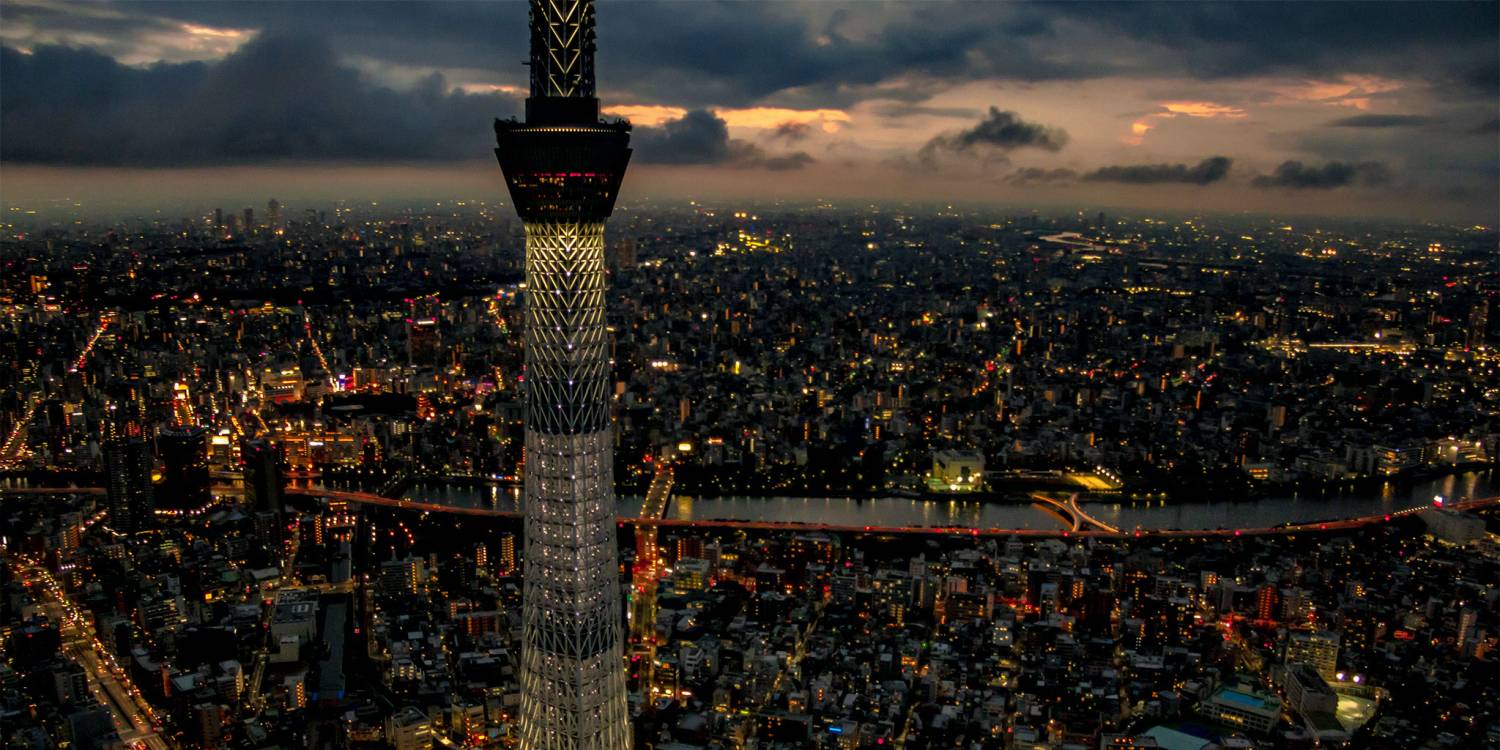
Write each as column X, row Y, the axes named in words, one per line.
column 814, row 376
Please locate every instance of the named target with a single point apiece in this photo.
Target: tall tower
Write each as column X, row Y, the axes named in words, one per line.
column 563, row 167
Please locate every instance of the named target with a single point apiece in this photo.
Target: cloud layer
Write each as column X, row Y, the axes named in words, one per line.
column 1309, row 96
column 997, row 131
column 701, row 137
column 1381, row 121
column 1209, row 170
column 276, row 98
column 1334, row 174
column 737, row 54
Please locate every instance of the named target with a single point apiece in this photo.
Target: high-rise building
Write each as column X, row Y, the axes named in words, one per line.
column 563, row 167
column 506, row 563
column 424, row 341
column 1265, row 603
column 1320, row 648
column 1467, row 617
column 399, row 577
column 264, row 483
column 127, row 466
column 273, row 213
column 185, row 483
column 1479, row 324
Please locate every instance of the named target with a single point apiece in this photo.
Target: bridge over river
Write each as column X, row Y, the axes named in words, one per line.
column 1074, row 520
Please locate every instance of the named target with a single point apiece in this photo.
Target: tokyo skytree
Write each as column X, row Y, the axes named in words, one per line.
column 563, row 167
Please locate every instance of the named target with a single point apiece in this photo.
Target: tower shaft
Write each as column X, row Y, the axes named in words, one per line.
column 563, row 168
column 572, row 667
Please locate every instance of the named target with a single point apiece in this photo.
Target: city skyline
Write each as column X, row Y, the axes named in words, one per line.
column 1036, row 376
column 885, row 478
column 1321, row 109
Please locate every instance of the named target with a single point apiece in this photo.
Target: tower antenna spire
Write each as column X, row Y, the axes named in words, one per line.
column 562, row 48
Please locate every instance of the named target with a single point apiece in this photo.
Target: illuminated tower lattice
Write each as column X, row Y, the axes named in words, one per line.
column 563, row 167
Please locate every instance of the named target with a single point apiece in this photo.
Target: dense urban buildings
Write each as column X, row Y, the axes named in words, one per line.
column 1195, row 372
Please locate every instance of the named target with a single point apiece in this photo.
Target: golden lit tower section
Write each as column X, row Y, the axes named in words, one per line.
column 563, row 167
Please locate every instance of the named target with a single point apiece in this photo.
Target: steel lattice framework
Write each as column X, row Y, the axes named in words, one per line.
column 562, row 48
column 567, row 350
column 572, row 672
column 563, row 168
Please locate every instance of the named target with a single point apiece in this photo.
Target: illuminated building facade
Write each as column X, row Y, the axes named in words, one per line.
column 563, row 168
column 1320, row 648
column 1242, row 708
column 283, row 385
column 956, row 471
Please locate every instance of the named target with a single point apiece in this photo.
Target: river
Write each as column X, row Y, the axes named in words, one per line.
column 895, row 511
column 898, row 511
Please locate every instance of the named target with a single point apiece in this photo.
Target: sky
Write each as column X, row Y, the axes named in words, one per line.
column 1371, row 110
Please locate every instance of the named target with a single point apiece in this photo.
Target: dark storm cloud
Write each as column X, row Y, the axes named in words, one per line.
column 792, row 131
column 1381, row 121
column 698, row 137
column 1484, row 77
column 1334, row 174
column 737, row 54
column 1232, row 40
column 892, row 59
column 1034, row 175
column 701, row 137
column 733, row 54
column 1006, row 130
column 997, row 131
column 687, row 54
column 794, row 160
column 277, row 98
column 1208, row 171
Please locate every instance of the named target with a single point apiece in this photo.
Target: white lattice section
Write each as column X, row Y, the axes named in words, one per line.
column 567, row 346
column 572, row 665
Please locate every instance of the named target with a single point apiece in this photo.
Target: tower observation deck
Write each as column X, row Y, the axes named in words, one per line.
column 563, row 168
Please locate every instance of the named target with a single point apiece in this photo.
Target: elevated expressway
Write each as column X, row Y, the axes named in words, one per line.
column 1069, row 512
